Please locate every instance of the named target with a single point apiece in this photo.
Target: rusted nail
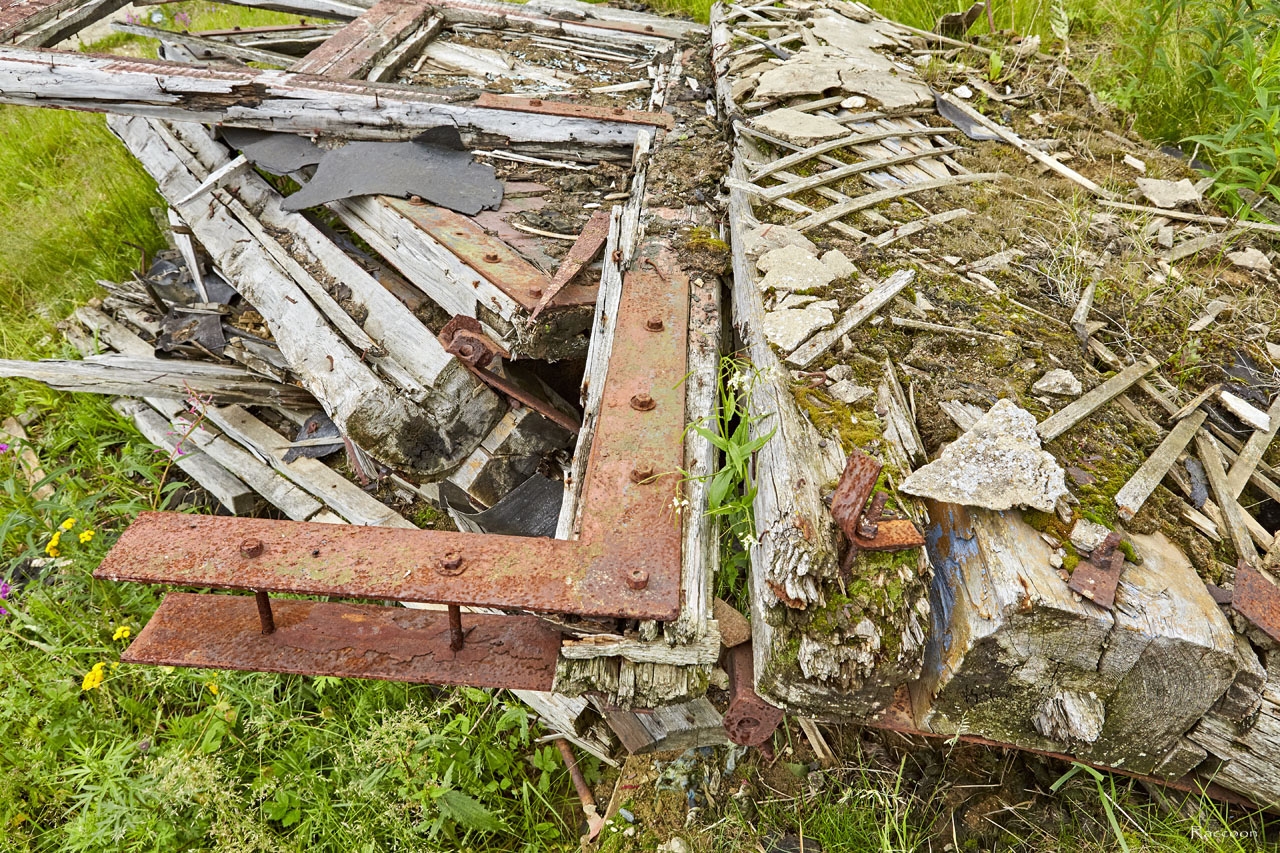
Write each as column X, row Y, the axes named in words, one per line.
column 450, row 564
column 657, row 271
column 638, row 579
column 416, row 200
column 535, row 292
column 642, row 472
column 654, row 324
column 642, row 403
column 617, row 256
column 264, row 612
column 595, row 823
column 456, row 637
column 491, row 258
column 250, row 548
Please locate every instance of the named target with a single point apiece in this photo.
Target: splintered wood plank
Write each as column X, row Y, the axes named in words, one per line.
column 823, row 178
column 899, row 232
column 363, row 42
column 1232, row 513
column 1247, row 462
column 205, row 46
column 837, row 211
column 581, row 253
column 13, row 435
column 1067, row 417
column 856, row 138
column 1133, row 494
column 861, row 311
column 72, row 18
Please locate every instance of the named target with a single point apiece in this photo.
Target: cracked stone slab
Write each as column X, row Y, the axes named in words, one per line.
column 849, row 392
column 849, row 36
column 793, row 268
column 1168, row 193
column 810, row 71
column 789, row 327
column 840, row 266
column 893, row 89
column 997, row 464
column 1087, row 535
column 799, row 128
column 1058, row 381
column 1251, row 260
column 765, row 238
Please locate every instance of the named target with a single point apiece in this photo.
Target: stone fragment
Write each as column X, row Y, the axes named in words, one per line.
column 734, row 627
column 839, row 372
column 799, row 128
column 997, row 464
column 1060, row 382
column 792, row 268
column 1087, row 535
column 851, row 37
column 788, row 328
column 854, row 102
column 1168, row 193
column 1134, row 163
column 810, row 71
column 849, row 392
column 962, row 92
column 840, row 266
column 1250, row 259
column 892, row 88
column 764, row 238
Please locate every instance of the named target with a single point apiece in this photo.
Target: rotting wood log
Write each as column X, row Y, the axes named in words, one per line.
column 426, row 440
column 1014, row 655
column 284, row 101
column 142, row 377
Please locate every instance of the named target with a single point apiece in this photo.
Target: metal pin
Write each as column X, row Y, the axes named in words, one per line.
column 264, row 612
column 456, row 637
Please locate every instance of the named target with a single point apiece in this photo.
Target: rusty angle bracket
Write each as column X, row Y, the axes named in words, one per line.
column 866, row 526
column 626, row 563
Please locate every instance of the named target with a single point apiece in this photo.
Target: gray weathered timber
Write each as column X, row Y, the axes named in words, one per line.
column 1134, row 494
column 153, row 377
column 864, row 308
column 1251, row 454
column 1015, row 655
column 78, row 15
column 283, row 101
column 206, row 47
column 1234, row 516
column 1071, row 414
column 354, row 50
column 427, row 440
column 686, row 725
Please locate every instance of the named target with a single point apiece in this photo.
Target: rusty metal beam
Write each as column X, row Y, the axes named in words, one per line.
column 1257, row 599
column 489, row 100
column 348, row 640
column 627, row 563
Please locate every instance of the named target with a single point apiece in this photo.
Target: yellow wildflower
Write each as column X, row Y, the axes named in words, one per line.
column 85, row 536
column 68, row 524
column 52, row 548
column 122, row 633
column 115, row 666
column 213, row 687
column 93, row 678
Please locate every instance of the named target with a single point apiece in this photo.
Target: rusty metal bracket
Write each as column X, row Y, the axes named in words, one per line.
column 867, row 527
column 626, row 564
column 463, row 338
column 493, row 101
column 582, row 252
column 749, row 721
column 1097, row 578
column 1257, row 599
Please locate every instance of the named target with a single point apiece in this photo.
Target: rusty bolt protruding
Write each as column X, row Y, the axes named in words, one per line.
column 641, row 472
column 457, row 639
column 535, row 102
column 416, row 200
column 491, row 258
column 251, row 548
column 654, row 324
column 265, row 616
column 638, row 579
column 618, row 111
column 535, row 292
column 642, row 402
column 450, row 564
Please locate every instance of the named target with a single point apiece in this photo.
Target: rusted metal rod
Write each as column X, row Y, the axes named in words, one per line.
column 575, row 773
column 264, row 612
column 456, row 638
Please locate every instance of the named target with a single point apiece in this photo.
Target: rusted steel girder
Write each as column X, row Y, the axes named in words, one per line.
column 489, row 100
column 626, row 564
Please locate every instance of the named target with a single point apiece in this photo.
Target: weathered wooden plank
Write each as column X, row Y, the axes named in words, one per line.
column 334, row 9
column 1251, row 454
column 839, row 174
column 1071, row 414
column 1134, row 493
column 13, row 434
column 685, row 725
column 862, row 310
column 72, row 18
column 1220, row 221
column 855, row 138
column 278, row 101
column 207, row 47
column 1215, row 472
column 366, row 40
column 837, row 211
column 899, row 232
column 141, row 377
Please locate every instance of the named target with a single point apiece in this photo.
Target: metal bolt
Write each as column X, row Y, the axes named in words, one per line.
column 456, row 638
column 618, row 111
column 535, row 292
column 466, row 349
column 491, row 258
column 642, row 402
column 450, row 564
column 642, row 472
column 535, row 102
column 251, row 548
column 638, row 579
column 654, row 324
column 416, row 200
column 264, row 612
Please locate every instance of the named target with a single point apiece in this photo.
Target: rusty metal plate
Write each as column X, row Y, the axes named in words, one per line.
column 1257, row 599
column 892, row 534
column 856, row 483
column 1097, row 578
column 625, row 565
column 492, row 101
column 491, row 257
column 349, row 641
column 581, row 253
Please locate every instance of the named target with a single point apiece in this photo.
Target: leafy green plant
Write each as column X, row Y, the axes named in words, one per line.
column 1105, row 797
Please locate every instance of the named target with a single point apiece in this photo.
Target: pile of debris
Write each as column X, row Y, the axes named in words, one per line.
column 1016, row 381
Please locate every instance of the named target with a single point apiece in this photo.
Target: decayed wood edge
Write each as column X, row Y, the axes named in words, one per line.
column 139, row 377
column 233, row 494
column 880, row 295
column 284, row 101
column 608, row 30
column 385, row 69
column 354, row 49
column 898, row 232
column 1251, row 454
column 1134, row 493
column 426, row 440
column 687, row 725
column 332, row 9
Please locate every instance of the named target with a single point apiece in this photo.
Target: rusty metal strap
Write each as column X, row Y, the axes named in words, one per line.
column 627, row 563
column 559, row 108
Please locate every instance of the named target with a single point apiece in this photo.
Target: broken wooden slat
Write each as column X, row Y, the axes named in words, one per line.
column 836, row 211
column 581, row 253
column 1251, row 454
column 857, row 138
column 238, row 498
column 865, row 307
column 1196, row 402
column 1070, row 415
column 537, row 106
column 684, row 725
column 899, row 232
column 1249, row 415
column 141, row 377
column 1220, row 221
column 386, row 69
column 1133, row 494
column 822, row 178
column 354, row 50
column 78, row 16
column 15, row 437
column 280, row 101
column 923, row 326
column 1215, row 471
column 205, row 46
